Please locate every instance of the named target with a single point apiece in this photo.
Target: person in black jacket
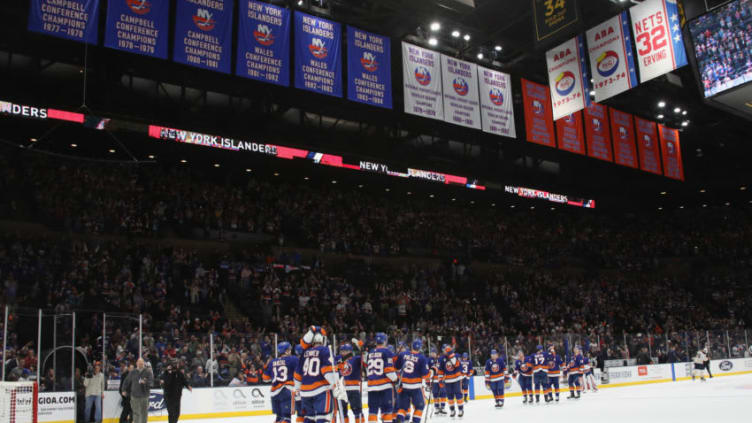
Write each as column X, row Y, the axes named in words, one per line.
column 173, row 383
column 126, row 414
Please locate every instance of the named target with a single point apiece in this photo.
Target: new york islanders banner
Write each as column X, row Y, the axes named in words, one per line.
column 263, row 42
column 496, row 105
column 611, row 60
column 658, row 38
column 569, row 133
column 369, row 68
column 622, row 132
column 203, row 34
column 421, row 79
column 76, row 20
column 460, row 84
column 647, row 146
column 568, row 77
column 318, row 55
column 538, row 122
column 671, row 151
column 597, row 132
column 138, row 26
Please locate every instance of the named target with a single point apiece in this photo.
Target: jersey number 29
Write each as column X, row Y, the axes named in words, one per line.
column 376, row 367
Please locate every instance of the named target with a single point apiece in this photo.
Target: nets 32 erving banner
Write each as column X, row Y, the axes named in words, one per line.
column 496, row 105
column 671, row 151
column 369, row 68
column 658, row 38
column 538, row 123
column 421, row 78
column 318, row 55
column 647, row 146
column 460, row 83
column 203, row 34
column 138, row 26
column 76, row 20
column 263, row 42
column 611, row 60
column 568, row 77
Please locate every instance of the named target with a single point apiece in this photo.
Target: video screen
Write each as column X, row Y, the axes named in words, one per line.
column 723, row 46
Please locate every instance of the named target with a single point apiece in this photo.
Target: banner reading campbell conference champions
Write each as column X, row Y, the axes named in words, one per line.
column 611, row 61
column 647, row 146
column 203, row 34
column 369, row 68
column 421, row 78
column 658, row 38
column 538, row 123
column 568, row 77
column 75, row 20
column 460, row 84
column 318, row 55
column 263, row 42
column 496, row 105
column 138, row 27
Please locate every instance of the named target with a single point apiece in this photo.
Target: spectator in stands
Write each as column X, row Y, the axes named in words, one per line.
column 199, row 378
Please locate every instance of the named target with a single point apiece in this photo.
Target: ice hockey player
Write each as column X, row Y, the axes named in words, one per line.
column 699, row 369
column 450, row 373
column 316, row 378
column 523, row 369
column 439, row 400
column 574, row 371
column 495, row 377
column 280, row 372
column 588, row 374
column 414, row 376
column 540, row 375
column 553, row 364
column 381, row 381
column 467, row 372
column 351, row 371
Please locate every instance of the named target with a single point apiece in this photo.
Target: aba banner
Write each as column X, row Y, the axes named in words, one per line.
column 138, row 26
column 369, row 68
column 318, row 55
column 538, row 122
column 421, row 78
column 658, row 38
column 554, row 17
column 76, row 20
column 597, row 132
column 263, row 42
column 622, row 133
column 203, row 34
column 460, row 84
column 671, row 151
column 611, row 60
column 569, row 133
column 647, row 146
column 496, row 105
column 568, row 77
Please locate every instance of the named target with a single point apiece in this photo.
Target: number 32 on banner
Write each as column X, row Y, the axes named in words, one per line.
column 552, row 5
column 655, row 39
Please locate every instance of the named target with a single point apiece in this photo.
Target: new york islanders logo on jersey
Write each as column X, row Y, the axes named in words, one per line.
column 422, row 75
column 318, row 48
column 369, row 61
column 537, row 107
column 204, row 20
column 460, row 86
column 347, row 369
column 495, row 367
column 607, row 63
column 449, row 366
column 565, row 83
column 139, row 7
column 496, row 96
column 263, row 35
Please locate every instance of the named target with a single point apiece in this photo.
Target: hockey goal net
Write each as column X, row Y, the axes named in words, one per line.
column 18, row 402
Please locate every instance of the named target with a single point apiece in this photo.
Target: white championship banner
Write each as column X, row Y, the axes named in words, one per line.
column 460, row 82
column 496, row 105
column 658, row 38
column 568, row 77
column 611, row 60
column 421, row 78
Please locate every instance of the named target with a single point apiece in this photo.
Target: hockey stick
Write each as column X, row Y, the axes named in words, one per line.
column 339, row 382
column 428, row 413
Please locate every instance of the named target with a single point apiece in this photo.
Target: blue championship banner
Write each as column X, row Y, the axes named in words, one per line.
column 318, row 55
column 203, row 34
column 138, row 26
column 263, row 42
column 369, row 70
column 76, row 20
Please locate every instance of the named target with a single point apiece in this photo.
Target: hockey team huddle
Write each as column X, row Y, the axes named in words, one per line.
column 316, row 385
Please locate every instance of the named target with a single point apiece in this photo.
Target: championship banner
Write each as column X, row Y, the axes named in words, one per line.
column 203, row 34
column 538, row 122
column 496, row 105
column 263, row 42
column 138, row 26
column 622, row 132
column 658, row 38
column 597, row 132
column 551, row 17
column 671, row 151
column 76, row 20
column 369, row 68
column 318, row 55
column 611, row 61
column 647, row 146
column 568, row 77
column 421, row 79
column 460, row 84
column 569, row 133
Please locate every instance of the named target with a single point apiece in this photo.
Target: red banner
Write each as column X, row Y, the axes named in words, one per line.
column 671, row 151
column 598, row 132
column 622, row 132
column 647, row 146
column 539, row 122
column 569, row 133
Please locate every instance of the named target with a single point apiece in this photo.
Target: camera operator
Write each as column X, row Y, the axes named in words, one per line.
column 173, row 383
column 94, row 384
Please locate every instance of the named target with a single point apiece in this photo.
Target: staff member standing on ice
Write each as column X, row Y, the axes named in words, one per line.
column 173, row 383
column 137, row 387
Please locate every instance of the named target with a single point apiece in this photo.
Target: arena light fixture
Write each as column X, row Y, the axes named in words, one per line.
column 532, row 207
column 305, row 178
column 685, row 123
column 493, row 204
column 661, row 104
column 592, row 93
column 742, row 188
column 660, row 116
column 702, row 189
column 684, row 113
column 454, row 199
column 466, row 37
column 387, row 189
column 512, row 206
column 216, row 164
column 151, row 156
column 497, row 48
column 480, row 56
column 677, row 110
column 433, row 41
column 74, row 145
column 249, row 171
column 112, row 150
column 704, row 205
column 435, row 26
column 456, row 34
column 660, row 208
column 33, row 139
column 553, row 208
column 727, row 204
column 431, row 196
column 472, row 202
column 663, row 192
column 334, row 181
column 277, row 174
column 409, row 193
column 183, row 161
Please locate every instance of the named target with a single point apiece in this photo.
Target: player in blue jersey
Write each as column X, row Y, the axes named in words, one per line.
column 540, row 375
column 351, row 371
column 450, row 372
column 316, row 378
column 495, row 374
column 280, row 372
column 553, row 363
column 298, row 401
column 523, row 366
column 574, row 371
column 414, row 374
column 467, row 372
column 436, row 389
column 382, row 378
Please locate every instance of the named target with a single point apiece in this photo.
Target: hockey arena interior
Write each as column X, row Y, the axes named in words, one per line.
column 396, row 211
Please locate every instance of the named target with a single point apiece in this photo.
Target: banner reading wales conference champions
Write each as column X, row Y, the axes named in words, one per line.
column 421, row 78
column 138, row 27
column 369, row 68
column 658, row 38
column 318, row 55
column 203, row 34
column 263, row 42
column 76, row 20
column 496, row 105
column 460, row 83
column 568, row 77
column 611, row 60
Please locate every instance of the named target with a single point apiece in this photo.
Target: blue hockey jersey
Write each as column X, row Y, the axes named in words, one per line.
column 315, row 373
column 495, row 370
column 414, row 369
column 281, row 373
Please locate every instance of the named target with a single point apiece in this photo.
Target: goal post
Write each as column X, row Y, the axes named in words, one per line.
column 18, row 402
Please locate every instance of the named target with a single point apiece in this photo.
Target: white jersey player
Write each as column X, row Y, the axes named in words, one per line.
column 699, row 367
